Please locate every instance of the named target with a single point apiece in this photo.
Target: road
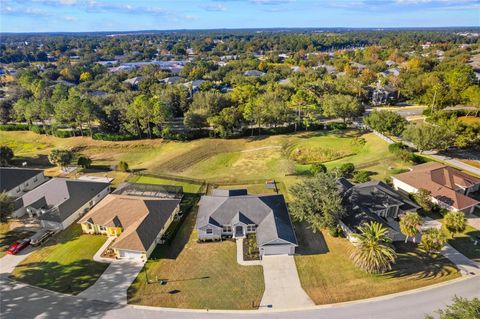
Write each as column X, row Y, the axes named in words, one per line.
column 456, row 163
column 20, row 301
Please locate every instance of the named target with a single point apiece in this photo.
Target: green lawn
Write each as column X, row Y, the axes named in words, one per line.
column 187, row 187
column 328, row 275
column 197, row 275
column 65, row 264
column 463, row 242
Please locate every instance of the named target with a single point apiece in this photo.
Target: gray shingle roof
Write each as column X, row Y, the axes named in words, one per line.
column 11, row 177
column 268, row 212
column 66, row 194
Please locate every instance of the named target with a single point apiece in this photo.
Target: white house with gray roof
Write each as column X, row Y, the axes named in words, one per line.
column 16, row 181
column 60, row 201
column 234, row 213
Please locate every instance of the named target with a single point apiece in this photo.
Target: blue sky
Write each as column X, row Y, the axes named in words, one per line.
column 123, row 15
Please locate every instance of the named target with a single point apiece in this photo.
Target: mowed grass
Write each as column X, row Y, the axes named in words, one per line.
column 464, row 243
column 221, row 161
column 65, row 264
column 197, row 275
column 187, row 187
column 328, row 275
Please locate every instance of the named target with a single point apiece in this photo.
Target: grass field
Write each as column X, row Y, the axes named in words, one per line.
column 202, row 276
column 328, row 275
column 469, row 119
column 65, row 264
column 187, row 187
column 217, row 160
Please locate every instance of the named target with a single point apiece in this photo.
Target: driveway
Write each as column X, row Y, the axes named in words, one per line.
column 113, row 283
column 9, row 262
column 282, row 285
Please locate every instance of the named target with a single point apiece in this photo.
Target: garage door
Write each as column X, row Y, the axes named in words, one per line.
column 276, row 250
column 130, row 254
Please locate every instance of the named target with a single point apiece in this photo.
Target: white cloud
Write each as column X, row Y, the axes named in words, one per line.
column 215, row 7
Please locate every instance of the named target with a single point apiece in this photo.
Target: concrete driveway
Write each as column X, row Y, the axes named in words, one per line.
column 282, row 285
column 9, row 262
column 113, row 283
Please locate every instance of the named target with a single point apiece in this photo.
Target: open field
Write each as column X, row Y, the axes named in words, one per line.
column 216, row 160
column 65, row 264
column 201, row 276
column 328, row 275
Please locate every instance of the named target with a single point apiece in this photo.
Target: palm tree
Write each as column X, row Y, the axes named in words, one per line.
column 410, row 224
column 455, row 222
column 373, row 251
column 433, row 240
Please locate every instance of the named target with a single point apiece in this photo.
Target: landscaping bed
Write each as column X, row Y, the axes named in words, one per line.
column 250, row 248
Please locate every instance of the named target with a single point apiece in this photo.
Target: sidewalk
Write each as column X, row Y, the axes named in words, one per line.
column 240, row 256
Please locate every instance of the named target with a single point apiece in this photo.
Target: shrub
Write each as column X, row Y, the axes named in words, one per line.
column 122, row 166
column 60, row 157
column 318, row 168
column 433, row 240
column 63, row 133
column 37, row 129
column 6, row 155
column 84, row 161
column 346, row 170
column 455, row 222
column 393, row 148
column 14, row 127
column 361, row 176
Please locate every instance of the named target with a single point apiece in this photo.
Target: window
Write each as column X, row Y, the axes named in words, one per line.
column 209, row 231
column 35, row 179
column 103, row 228
column 26, row 184
column 251, row 228
column 227, row 229
column 91, row 203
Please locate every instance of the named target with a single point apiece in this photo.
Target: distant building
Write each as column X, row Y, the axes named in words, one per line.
column 134, row 81
column 383, row 95
column 171, row 80
column 253, row 73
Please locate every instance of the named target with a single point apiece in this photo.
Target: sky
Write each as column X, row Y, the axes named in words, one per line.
column 123, row 15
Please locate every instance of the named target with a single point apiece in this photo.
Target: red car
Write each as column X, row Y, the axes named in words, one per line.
column 16, row 247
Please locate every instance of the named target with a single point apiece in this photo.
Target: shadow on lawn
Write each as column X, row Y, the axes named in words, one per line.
column 71, row 278
column 309, row 243
column 40, row 161
column 412, row 261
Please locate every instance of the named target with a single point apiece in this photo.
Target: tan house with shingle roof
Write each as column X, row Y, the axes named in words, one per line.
column 138, row 222
column 449, row 187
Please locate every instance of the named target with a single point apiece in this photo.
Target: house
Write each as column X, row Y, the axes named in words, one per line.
column 16, row 181
column 234, row 213
column 60, row 201
column 171, row 80
column 448, row 186
column 253, row 73
column 373, row 201
column 381, row 95
column 138, row 223
column 134, row 81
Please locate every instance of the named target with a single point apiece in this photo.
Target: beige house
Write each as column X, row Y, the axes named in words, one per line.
column 137, row 222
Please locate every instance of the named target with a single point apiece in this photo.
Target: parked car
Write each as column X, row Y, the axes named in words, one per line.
column 41, row 237
column 18, row 246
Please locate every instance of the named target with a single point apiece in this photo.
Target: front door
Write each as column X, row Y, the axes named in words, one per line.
column 239, row 231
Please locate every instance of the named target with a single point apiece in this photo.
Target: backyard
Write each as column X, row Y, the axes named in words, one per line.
column 197, row 275
column 221, row 161
column 328, row 275
column 65, row 264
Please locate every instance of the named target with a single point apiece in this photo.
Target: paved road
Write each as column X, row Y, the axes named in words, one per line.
column 456, row 163
column 19, row 301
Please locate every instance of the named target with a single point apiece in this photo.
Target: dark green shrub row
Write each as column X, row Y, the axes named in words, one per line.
column 113, row 137
column 14, row 127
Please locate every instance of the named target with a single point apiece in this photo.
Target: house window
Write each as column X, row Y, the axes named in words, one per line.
column 35, row 179
column 251, row 228
column 103, row 228
column 91, row 203
column 227, row 229
column 26, row 184
column 209, row 231
column 89, row 226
